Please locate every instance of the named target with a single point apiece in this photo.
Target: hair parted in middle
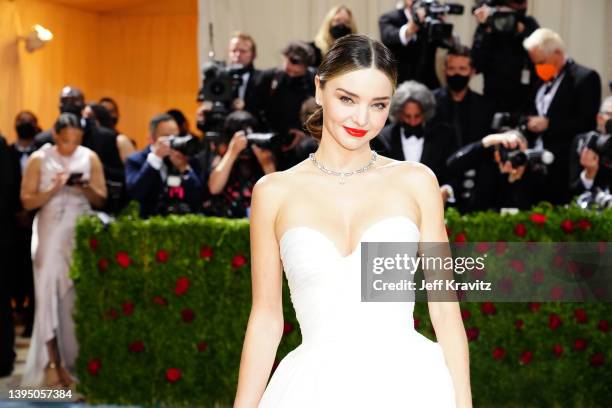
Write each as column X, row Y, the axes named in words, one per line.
column 351, row 53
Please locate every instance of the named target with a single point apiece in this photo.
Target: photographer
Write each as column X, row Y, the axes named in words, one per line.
column 244, row 83
column 414, row 136
column 236, row 168
column 565, row 105
column 413, row 35
column 504, row 176
column 498, row 53
column 284, row 90
column 162, row 177
column 591, row 160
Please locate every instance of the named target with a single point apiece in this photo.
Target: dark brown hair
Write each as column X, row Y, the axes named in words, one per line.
column 350, row 53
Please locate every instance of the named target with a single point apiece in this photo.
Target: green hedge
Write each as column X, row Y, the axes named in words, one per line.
column 162, row 307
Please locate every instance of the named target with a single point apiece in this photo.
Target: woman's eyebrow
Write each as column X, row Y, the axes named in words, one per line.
column 380, row 98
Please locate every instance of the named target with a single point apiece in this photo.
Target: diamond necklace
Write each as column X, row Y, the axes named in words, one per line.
column 343, row 175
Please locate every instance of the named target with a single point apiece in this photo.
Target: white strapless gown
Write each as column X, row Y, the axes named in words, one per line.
column 353, row 353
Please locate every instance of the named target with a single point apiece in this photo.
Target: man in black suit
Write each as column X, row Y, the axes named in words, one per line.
column 498, row 53
column 7, row 332
column 414, row 136
column 466, row 112
column 589, row 171
column 101, row 140
column 414, row 53
column 284, row 90
column 565, row 105
column 163, row 179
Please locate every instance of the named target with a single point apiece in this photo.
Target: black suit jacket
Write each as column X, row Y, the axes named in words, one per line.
column 252, row 95
column 145, row 185
column 573, row 110
column 603, row 179
column 416, row 60
column 439, row 144
column 479, row 117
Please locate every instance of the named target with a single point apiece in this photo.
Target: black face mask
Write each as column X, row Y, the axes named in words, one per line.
column 413, row 130
column 68, row 107
column 457, row 82
column 339, row 31
column 26, row 130
column 88, row 125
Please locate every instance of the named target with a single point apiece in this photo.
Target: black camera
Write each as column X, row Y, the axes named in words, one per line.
column 504, row 121
column 187, row 145
column 502, row 19
column 595, row 200
column 437, row 30
column 600, row 144
column 220, row 85
column 518, row 158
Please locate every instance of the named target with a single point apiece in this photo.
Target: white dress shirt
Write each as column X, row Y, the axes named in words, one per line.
column 412, row 146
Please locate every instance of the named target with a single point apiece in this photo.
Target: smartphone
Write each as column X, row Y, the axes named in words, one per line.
column 74, row 179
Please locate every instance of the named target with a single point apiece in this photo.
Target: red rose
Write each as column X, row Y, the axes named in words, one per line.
column 128, row 308
column 556, row 292
column 479, row 273
column 472, row 333
column 102, row 264
column 603, row 325
column 238, row 261
column 465, row 314
column 482, row 247
column 534, row 306
column 187, row 315
column 206, row 252
column 554, row 321
column 136, row 347
column 597, row 359
column 558, row 261
column 519, row 324
column 173, row 375
column 160, row 300
column 287, row 328
column 182, row 285
column 506, row 285
column 161, row 256
column 94, row 366
column 537, row 276
column 518, row 265
column 526, row 357
column 488, row 308
column 123, row 259
column 580, row 344
column 460, row 237
column 112, row 314
column 584, row 225
column 93, row 244
column 202, row 346
column 558, row 350
column 520, row 230
column 580, row 315
column 537, row 218
column 572, row 268
column 567, row 226
column 500, row 247
column 499, row 353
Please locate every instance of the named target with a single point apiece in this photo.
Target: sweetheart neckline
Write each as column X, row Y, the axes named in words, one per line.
column 333, row 244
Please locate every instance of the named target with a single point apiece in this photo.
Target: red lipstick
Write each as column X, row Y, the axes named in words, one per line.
column 355, row 132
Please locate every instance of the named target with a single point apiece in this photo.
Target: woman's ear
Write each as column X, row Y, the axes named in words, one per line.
column 318, row 90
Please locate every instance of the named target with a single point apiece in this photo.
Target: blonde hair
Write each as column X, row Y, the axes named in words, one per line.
column 245, row 37
column 545, row 40
column 323, row 40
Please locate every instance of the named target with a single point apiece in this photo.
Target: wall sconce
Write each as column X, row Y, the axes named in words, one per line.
column 37, row 38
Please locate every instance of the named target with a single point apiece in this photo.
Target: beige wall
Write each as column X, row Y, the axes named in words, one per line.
column 582, row 23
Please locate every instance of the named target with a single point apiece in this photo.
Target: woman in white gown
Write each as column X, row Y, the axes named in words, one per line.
column 310, row 221
column 63, row 181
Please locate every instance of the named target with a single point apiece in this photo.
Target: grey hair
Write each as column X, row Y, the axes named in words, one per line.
column 606, row 105
column 412, row 91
